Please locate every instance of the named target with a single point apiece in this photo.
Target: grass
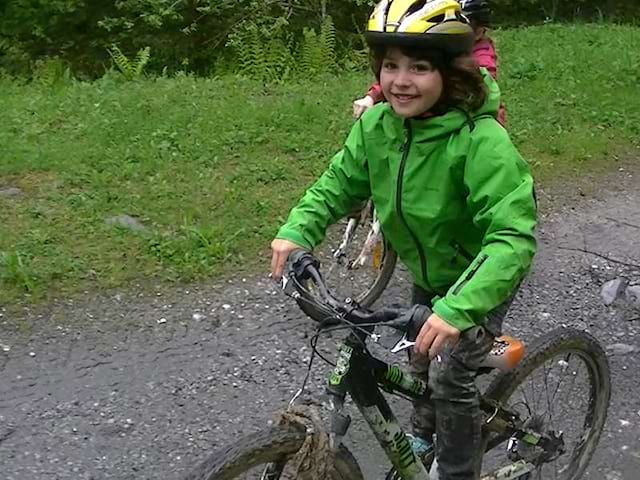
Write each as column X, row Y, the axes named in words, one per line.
column 211, row 166
column 571, row 92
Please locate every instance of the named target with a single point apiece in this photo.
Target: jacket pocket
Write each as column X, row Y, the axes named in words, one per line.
column 467, row 278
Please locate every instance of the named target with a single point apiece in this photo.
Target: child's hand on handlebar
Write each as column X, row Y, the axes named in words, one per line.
column 362, row 105
column 280, row 252
column 434, row 335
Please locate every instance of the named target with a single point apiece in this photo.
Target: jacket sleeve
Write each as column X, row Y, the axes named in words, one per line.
column 375, row 92
column 343, row 186
column 500, row 198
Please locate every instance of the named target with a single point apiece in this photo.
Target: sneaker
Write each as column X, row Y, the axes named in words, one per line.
column 423, row 448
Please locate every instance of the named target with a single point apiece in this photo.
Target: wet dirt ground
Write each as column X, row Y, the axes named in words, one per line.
column 130, row 385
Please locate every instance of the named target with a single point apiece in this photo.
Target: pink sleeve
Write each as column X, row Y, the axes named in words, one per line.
column 485, row 54
column 375, row 92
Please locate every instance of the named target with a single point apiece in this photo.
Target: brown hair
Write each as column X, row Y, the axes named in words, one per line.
column 463, row 85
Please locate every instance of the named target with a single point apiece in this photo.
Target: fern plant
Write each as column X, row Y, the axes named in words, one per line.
column 310, row 55
column 247, row 45
column 327, row 41
column 130, row 69
column 267, row 51
column 317, row 53
column 261, row 52
column 51, row 71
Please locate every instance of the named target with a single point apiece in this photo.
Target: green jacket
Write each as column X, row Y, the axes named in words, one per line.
column 454, row 197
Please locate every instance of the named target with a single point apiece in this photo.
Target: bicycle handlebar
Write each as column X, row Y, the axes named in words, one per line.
column 303, row 267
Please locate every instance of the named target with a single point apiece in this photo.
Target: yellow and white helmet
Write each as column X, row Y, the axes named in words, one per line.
column 437, row 24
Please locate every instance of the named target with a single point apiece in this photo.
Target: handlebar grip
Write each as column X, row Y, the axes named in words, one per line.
column 300, row 261
column 419, row 316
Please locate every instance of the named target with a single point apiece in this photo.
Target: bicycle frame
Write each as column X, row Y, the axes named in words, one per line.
column 362, row 376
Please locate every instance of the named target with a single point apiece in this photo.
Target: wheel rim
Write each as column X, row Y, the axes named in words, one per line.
column 353, row 279
column 258, row 471
column 561, row 395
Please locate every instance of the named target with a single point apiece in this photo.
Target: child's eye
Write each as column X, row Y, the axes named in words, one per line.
column 422, row 67
column 389, row 65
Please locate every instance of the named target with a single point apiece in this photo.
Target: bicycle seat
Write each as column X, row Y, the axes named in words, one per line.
column 505, row 354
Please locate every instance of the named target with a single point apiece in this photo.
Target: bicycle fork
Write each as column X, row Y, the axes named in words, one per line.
column 352, row 224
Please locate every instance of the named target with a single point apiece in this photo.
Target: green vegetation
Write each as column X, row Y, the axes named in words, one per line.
column 571, row 91
column 211, row 165
column 205, row 36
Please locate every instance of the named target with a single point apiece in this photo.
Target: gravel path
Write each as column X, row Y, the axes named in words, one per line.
column 142, row 386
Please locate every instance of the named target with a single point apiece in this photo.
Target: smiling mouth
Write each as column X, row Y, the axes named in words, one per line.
column 403, row 98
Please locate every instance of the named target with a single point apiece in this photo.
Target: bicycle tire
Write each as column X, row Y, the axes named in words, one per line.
column 369, row 297
column 263, row 447
column 546, row 347
column 364, row 299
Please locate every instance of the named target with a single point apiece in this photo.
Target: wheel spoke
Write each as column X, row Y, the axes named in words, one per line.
column 551, row 404
column 365, row 265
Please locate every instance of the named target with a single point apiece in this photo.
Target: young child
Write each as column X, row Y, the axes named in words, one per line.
column 478, row 13
column 454, row 198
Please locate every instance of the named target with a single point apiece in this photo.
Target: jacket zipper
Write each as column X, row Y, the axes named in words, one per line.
column 460, row 250
column 405, row 153
column 467, row 278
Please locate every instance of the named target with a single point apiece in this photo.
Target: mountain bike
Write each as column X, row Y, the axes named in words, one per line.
column 362, row 263
column 564, row 368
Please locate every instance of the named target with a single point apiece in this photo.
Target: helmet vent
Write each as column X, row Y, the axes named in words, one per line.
column 415, row 7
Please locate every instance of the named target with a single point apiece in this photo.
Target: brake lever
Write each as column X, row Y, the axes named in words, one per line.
column 407, row 324
column 288, row 288
column 403, row 344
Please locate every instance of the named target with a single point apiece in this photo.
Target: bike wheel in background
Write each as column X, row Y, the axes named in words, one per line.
column 365, row 262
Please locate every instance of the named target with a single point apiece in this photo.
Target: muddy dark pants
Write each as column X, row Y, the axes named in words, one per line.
column 452, row 407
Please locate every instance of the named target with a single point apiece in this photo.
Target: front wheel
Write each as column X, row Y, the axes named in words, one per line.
column 561, row 388
column 249, row 457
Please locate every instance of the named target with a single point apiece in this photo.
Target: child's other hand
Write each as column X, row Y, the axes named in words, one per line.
column 362, row 105
column 434, row 335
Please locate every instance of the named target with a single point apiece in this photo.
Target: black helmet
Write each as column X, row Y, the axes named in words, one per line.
column 477, row 11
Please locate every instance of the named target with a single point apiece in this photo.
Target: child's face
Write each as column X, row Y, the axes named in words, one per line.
column 411, row 86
